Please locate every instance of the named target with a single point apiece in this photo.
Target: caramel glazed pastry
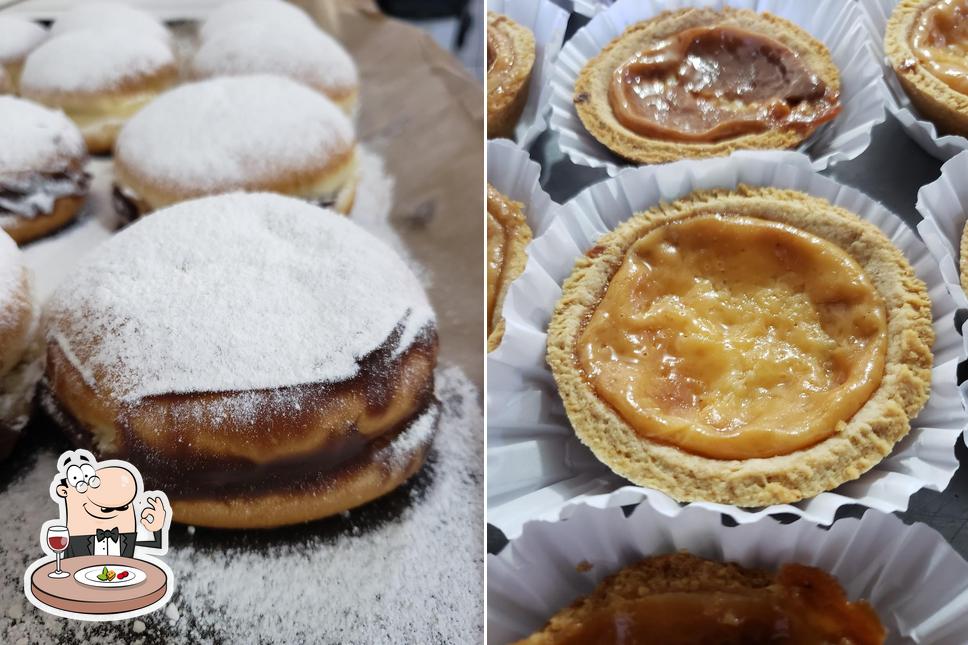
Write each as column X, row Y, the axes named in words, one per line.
column 508, row 234
column 99, row 76
column 17, row 38
column 252, row 133
column 510, row 58
column 926, row 42
column 681, row 599
column 747, row 347
column 261, row 360
column 703, row 83
column 42, row 177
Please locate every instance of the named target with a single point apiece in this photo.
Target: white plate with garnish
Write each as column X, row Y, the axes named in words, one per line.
column 100, row 576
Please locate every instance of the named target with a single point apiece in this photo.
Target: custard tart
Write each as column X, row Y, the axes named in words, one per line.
column 508, row 234
column 926, row 42
column 682, row 599
column 510, row 57
column 703, row 83
column 748, row 347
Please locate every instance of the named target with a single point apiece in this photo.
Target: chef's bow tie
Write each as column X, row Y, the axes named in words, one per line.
column 113, row 534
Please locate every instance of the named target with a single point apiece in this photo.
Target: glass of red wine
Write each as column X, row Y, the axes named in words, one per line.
column 57, row 540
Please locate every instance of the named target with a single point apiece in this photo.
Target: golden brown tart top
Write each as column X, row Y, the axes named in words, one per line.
column 510, row 59
column 700, row 82
column 681, row 599
column 747, row 347
column 508, row 234
column 939, row 40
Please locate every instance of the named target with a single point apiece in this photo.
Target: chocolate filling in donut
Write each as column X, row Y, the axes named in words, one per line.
column 30, row 194
column 191, row 476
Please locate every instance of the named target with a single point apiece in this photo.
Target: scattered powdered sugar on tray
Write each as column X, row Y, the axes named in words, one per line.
column 283, row 293
column 34, row 138
column 236, row 12
column 99, row 16
column 300, row 52
column 226, row 133
column 88, row 61
column 407, row 569
column 17, row 37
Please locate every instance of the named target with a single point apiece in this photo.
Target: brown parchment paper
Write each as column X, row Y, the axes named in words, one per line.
column 424, row 114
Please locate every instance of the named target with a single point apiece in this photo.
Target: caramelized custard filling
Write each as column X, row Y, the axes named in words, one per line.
column 939, row 39
column 708, row 84
column 500, row 59
column 805, row 606
column 734, row 337
column 503, row 218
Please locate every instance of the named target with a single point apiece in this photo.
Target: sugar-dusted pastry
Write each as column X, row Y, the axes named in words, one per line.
column 17, row 330
column 682, row 599
column 508, row 234
column 42, row 177
column 510, row 57
column 254, row 133
column 703, row 83
column 18, row 37
column 99, row 79
column 266, row 12
column 926, row 42
column 300, row 52
column 748, row 347
column 261, row 360
column 109, row 16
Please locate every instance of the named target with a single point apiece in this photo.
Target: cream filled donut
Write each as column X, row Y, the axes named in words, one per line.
column 17, row 327
column 261, row 360
column 18, row 37
column 253, row 133
column 300, row 52
column 103, row 16
column 98, row 78
column 42, row 177
column 236, row 12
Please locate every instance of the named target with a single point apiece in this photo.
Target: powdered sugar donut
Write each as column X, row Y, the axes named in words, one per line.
column 103, row 16
column 17, row 330
column 261, row 360
column 298, row 51
column 99, row 78
column 241, row 133
column 18, row 37
column 274, row 12
column 42, row 177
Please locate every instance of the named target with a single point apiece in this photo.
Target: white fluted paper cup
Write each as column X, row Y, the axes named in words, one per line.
column 915, row 581
column 538, row 469
column 591, row 8
column 923, row 131
column 840, row 25
column 547, row 21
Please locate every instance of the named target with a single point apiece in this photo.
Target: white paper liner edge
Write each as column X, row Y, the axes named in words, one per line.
column 537, row 468
column 841, row 26
column 512, row 172
column 915, row 581
column 547, row 21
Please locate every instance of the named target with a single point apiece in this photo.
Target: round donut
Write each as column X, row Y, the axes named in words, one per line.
column 300, row 52
column 18, row 37
column 252, row 133
column 274, row 12
column 261, row 360
column 17, row 331
column 98, row 78
column 102, row 16
column 42, row 177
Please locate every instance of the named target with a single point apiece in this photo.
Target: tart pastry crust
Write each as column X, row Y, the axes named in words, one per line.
column 508, row 234
column 510, row 58
column 593, row 84
column 854, row 447
column 935, row 99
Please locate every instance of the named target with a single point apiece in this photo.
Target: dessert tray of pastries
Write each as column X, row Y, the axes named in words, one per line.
column 211, row 266
column 725, row 287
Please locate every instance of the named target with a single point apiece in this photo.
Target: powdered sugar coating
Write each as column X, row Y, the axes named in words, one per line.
column 298, row 51
column 233, row 292
column 101, row 16
column 35, row 138
column 18, row 37
column 11, row 273
column 273, row 12
column 90, row 61
column 232, row 133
